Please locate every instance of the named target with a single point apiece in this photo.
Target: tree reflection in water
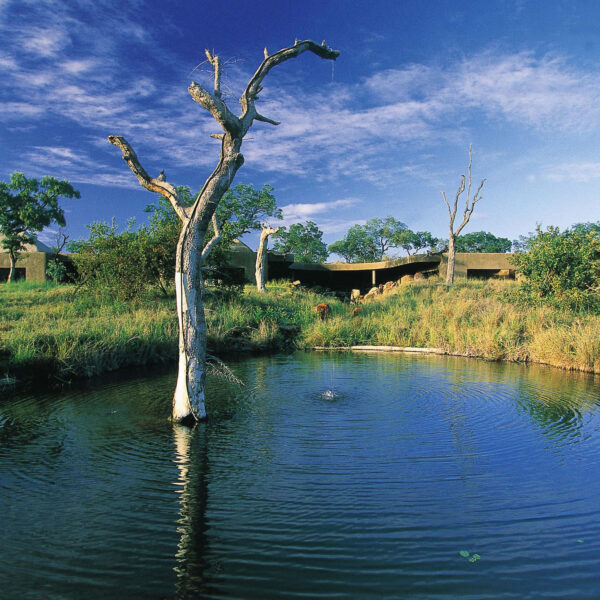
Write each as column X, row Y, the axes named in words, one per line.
column 192, row 463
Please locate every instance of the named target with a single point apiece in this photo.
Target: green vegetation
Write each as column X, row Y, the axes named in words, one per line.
column 26, row 207
column 124, row 264
column 243, row 209
column 482, row 241
column 415, row 242
column 303, row 240
column 370, row 242
column 563, row 268
column 49, row 328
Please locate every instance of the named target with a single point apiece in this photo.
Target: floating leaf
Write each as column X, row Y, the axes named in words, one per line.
column 474, row 558
column 464, row 554
column 580, row 541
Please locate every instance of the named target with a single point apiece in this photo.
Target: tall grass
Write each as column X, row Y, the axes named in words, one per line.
column 49, row 328
column 483, row 319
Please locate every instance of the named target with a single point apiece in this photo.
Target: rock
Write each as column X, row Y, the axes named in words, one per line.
column 389, row 285
column 419, row 277
column 374, row 291
column 406, row 279
column 502, row 274
column 354, row 295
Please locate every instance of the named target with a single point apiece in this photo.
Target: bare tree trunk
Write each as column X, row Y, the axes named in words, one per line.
column 261, row 256
column 451, row 259
column 11, row 270
column 188, row 400
column 468, row 211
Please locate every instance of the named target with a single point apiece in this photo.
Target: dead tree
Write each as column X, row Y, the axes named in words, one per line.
column 261, row 257
column 469, row 206
column 188, row 400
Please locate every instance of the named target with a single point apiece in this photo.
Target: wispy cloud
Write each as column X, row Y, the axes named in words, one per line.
column 580, row 172
column 73, row 74
column 293, row 213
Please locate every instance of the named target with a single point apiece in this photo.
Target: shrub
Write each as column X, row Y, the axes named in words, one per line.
column 121, row 265
column 562, row 266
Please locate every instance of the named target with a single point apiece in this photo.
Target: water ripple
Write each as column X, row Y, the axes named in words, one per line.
column 327, row 476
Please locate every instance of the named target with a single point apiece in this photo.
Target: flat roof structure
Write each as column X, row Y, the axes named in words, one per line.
column 363, row 276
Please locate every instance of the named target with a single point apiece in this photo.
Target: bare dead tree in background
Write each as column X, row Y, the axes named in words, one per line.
column 469, row 206
column 259, row 271
column 188, row 400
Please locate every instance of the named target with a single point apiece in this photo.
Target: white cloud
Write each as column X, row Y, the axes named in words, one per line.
column 45, row 42
column 77, row 166
column 76, row 67
column 581, row 172
column 335, row 225
column 293, row 213
column 544, row 93
column 19, row 110
column 341, row 130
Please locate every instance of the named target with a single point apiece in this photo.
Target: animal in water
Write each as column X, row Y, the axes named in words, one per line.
column 323, row 310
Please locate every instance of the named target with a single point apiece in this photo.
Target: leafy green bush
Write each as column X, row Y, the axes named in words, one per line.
column 56, row 270
column 562, row 266
column 121, row 265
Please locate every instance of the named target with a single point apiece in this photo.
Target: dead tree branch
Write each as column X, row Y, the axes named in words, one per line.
column 253, row 89
column 153, row 184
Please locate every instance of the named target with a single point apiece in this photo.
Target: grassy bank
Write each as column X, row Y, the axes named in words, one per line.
column 54, row 329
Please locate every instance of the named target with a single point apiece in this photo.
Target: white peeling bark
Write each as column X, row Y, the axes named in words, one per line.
column 188, row 400
column 259, row 271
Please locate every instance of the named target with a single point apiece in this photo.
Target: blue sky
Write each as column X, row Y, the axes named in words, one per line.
column 378, row 133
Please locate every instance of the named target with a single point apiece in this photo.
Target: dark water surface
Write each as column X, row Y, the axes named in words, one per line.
column 328, row 476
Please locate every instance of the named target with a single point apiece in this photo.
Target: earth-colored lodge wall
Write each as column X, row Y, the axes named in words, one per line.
column 363, row 276
column 33, row 263
column 336, row 276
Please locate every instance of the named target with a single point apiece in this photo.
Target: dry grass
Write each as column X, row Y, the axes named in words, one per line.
column 474, row 319
column 48, row 328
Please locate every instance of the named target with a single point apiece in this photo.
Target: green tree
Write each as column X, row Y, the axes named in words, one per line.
column 562, row 265
column 163, row 233
column 26, row 207
column 244, row 208
column 357, row 246
column 482, row 241
column 383, row 232
column 369, row 242
column 414, row 242
column 586, row 227
column 304, row 241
